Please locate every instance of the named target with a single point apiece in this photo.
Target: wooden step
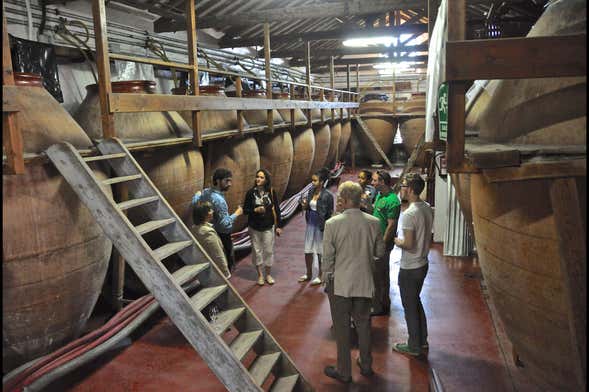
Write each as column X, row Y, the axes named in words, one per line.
column 262, row 367
column 103, row 157
column 205, row 296
column 169, row 249
column 285, row 384
column 244, row 342
column 189, row 272
column 226, row 319
column 136, row 202
column 116, row 180
column 153, row 225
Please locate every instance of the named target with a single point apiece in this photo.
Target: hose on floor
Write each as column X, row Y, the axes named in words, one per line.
column 38, row 373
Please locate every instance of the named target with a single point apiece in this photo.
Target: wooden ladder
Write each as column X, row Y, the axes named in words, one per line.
column 187, row 313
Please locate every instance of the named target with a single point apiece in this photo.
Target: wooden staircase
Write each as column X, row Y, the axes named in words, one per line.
column 272, row 367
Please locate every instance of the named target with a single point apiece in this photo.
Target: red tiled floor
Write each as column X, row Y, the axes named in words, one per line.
column 464, row 349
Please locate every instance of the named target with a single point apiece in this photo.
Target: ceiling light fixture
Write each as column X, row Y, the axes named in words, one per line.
column 374, row 41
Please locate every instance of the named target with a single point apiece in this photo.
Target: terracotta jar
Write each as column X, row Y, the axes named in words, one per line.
column 285, row 113
column 212, row 121
column 276, row 156
column 259, row 117
column 55, row 255
column 303, row 154
column 242, row 157
column 322, row 144
column 131, row 127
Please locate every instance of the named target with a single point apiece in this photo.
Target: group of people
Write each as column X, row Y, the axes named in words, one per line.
column 352, row 243
column 356, row 253
column 212, row 223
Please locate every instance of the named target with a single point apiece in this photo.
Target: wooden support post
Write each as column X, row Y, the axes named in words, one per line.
column 193, row 72
column 332, row 86
column 103, row 65
column 348, row 88
column 11, row 135
column 432, row 14
column 292, row 111
column 568, row 212
column 238, row 92
column 321, row 97
column 308, row 80
column 357, row 85
column 456, row 22
column 120, row 194
column 268, row 73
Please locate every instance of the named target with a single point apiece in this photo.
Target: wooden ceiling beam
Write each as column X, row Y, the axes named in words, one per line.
column 318, row 10
column 336, row 34
column 369, row 60
column 300, row 53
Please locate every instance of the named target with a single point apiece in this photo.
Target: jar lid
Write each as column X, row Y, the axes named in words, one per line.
column 28, row 79
column 212, row 89
column 128, row 86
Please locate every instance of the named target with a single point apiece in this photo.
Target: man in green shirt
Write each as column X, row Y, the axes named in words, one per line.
column 387, row 209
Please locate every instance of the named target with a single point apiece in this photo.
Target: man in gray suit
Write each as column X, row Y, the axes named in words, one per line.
column 352, row 241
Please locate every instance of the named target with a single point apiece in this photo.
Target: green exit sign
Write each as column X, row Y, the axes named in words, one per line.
column 443, row 111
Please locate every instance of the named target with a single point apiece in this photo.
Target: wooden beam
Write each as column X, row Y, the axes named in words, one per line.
column 538, row 170
column 456, row 30
column 565, row 197
column 331, row 9
column 367, row 60
column 332, row 86
column 12, row 141
column 131, row 103
column 308, row 81
column 300, row 53
column 366, row 131
column 432, row 14
column 238, row 92
column 7, row 73
column 103, row 66
column 508, row 58
column 13, row 144
column 193, row 73
column 268, row 69
column 335, row 34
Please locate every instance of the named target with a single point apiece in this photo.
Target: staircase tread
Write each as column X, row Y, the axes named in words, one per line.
column 116, row 180
column 226, row 318
column 189, row 272
column 171, row 248
column 136, row 202
column 262, row 367
column 207, row 295
column 153, row 225
column 285, row 384
column 103, row 157
column 244, row 342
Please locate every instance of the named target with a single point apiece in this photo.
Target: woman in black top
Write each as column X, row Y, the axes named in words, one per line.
column 263, row 218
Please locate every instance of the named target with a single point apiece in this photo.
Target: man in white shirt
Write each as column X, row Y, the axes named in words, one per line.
column 352, row 241
column 416, row 226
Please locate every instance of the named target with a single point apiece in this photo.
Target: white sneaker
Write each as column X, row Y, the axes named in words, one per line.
column 316, row 281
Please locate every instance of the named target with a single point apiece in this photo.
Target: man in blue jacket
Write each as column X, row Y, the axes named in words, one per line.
column 222, row 221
